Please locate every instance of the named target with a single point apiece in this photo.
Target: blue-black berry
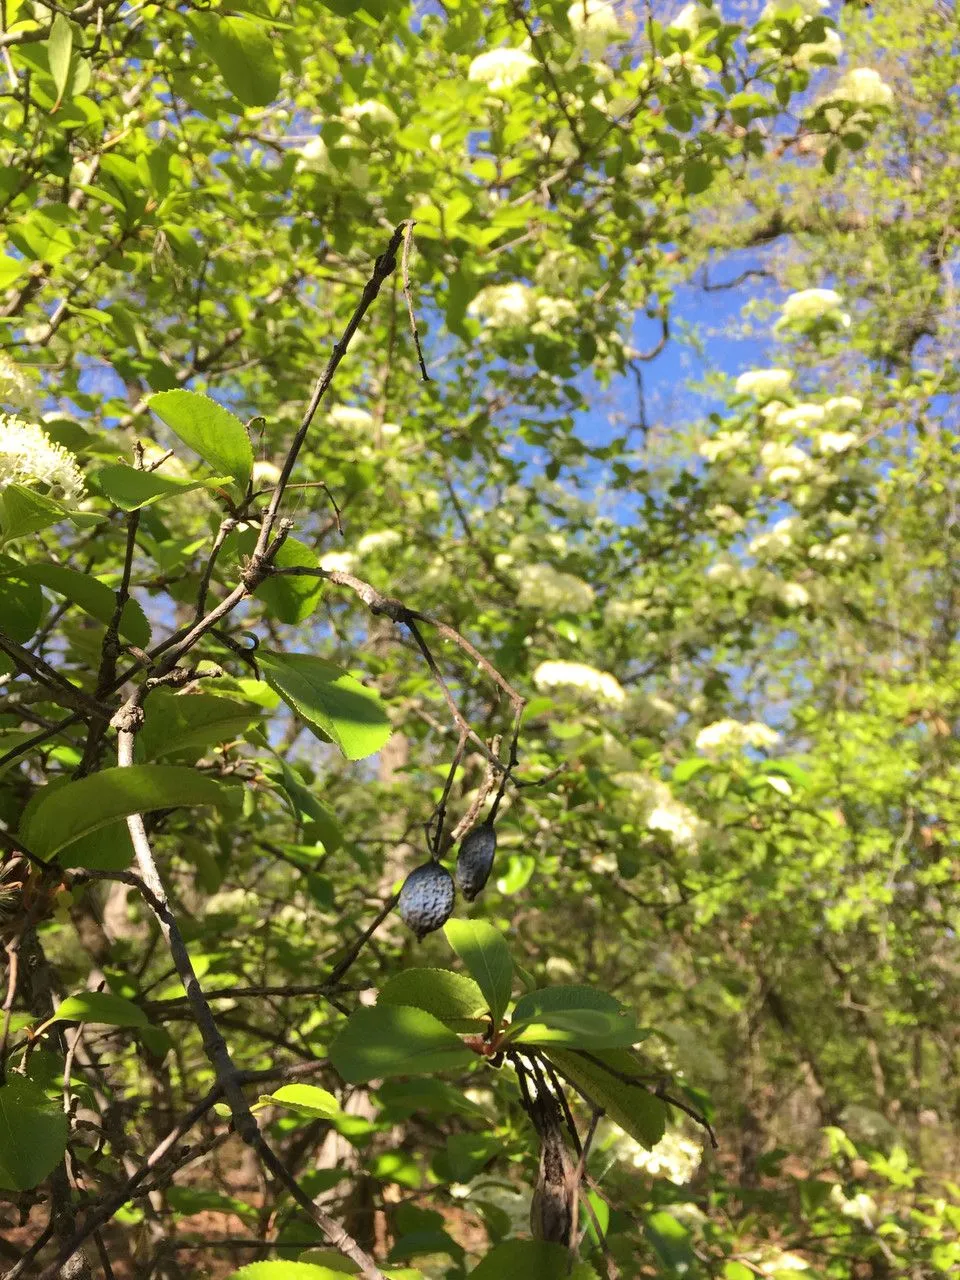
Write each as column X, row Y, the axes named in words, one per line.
column 475, row 860
column 426, row 898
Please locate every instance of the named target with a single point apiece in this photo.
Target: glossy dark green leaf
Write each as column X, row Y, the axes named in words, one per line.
column 101, row 1006
column 483, row 950
column 90, row 595
column 131, row 489
column 395, row 1040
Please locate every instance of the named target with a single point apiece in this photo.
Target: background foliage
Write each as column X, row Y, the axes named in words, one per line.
column 732, row 612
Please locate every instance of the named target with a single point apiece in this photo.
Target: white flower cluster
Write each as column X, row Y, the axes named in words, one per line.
column 725, row 518
column 661, row 811
column 785, row 463
column 836, row 441
column 774, row 542
column 595, row 26
column 619, row 611
column 796, row 417
column 29, row 457
column 864, row 87
column 763, row 384
column 370, row 112
column 837, row 551
column 674, row 1157
column 540, row 586
column 600, row 686
column 842, row 408
column 378, row 540
column 338, row 561
column 861, row 1206
column 501, row 70
column 16, row 390
column 516, row 305
column 809, row 305
column 690, row 18
column 723, row 442
column 347, row 415
column 735, row 735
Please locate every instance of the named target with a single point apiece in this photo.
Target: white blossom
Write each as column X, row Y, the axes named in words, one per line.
column 794, row 595
column 861, row 1206
column 784, row 463
column 723, row 442
column 16, row 389
column 264, row 473
column 338, row 561
column 600, row 686
column 686, row 62
column 864, row 87
column 314, row 156
column 763, row 384
column 29, row 457
column 674, row 1157
column 725, row 518
column 372, row 112
column 558, row 272
column 689, row 18
column 543, row 587
column 505, row 306
column 776, row 541
column 615, row 611
column 595, row 25
column 501, row 69
column 659, row 810
column 348, row 415
column 734, row 735
column 837, row 551
column 842, row 408
column 799, row 417
column 812, row 304
column 551, row 311
column 836, row 441
column 378, row 540
column 725, row 570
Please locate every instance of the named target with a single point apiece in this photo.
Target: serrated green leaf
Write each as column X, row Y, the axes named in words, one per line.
column 600, row 1077
column 89, row 594
column 483, row 950
column 64, row 814
column 305, row 1099
column 184, row 721
column 244, row 55
column 59, row 51
column 335, row 705
column 131, row 489
column 574, row 1015
column 210, row 430
column 451, row 997
column 101, row 1006
column 395, row 1040
column 33, row 1135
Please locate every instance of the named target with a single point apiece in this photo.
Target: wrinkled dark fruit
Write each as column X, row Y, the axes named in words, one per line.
column 475, row 860
column 426, row 898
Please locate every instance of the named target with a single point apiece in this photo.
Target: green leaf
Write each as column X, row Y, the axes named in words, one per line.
column 184, row 721
column 23, row 512
column 671, row 1239
column 64, row 814
column 684, row 770
column 600, row 1077
column 336, row 706
column 21, row 606
column 533, row 1260
column 59, row 51
column 573, row 1015
column 283, row 1270
column 395, row 1040
column 90, row 595
column 244, row 55
column 292, row 599
column 322, row 820
column 130, row 489
column 33, row 1135
column 101, row 1006
column 305, row 1099
column 466, row 1154
column 697, row 176
column 483, row 950
column 451, row 997
column 213, row 432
